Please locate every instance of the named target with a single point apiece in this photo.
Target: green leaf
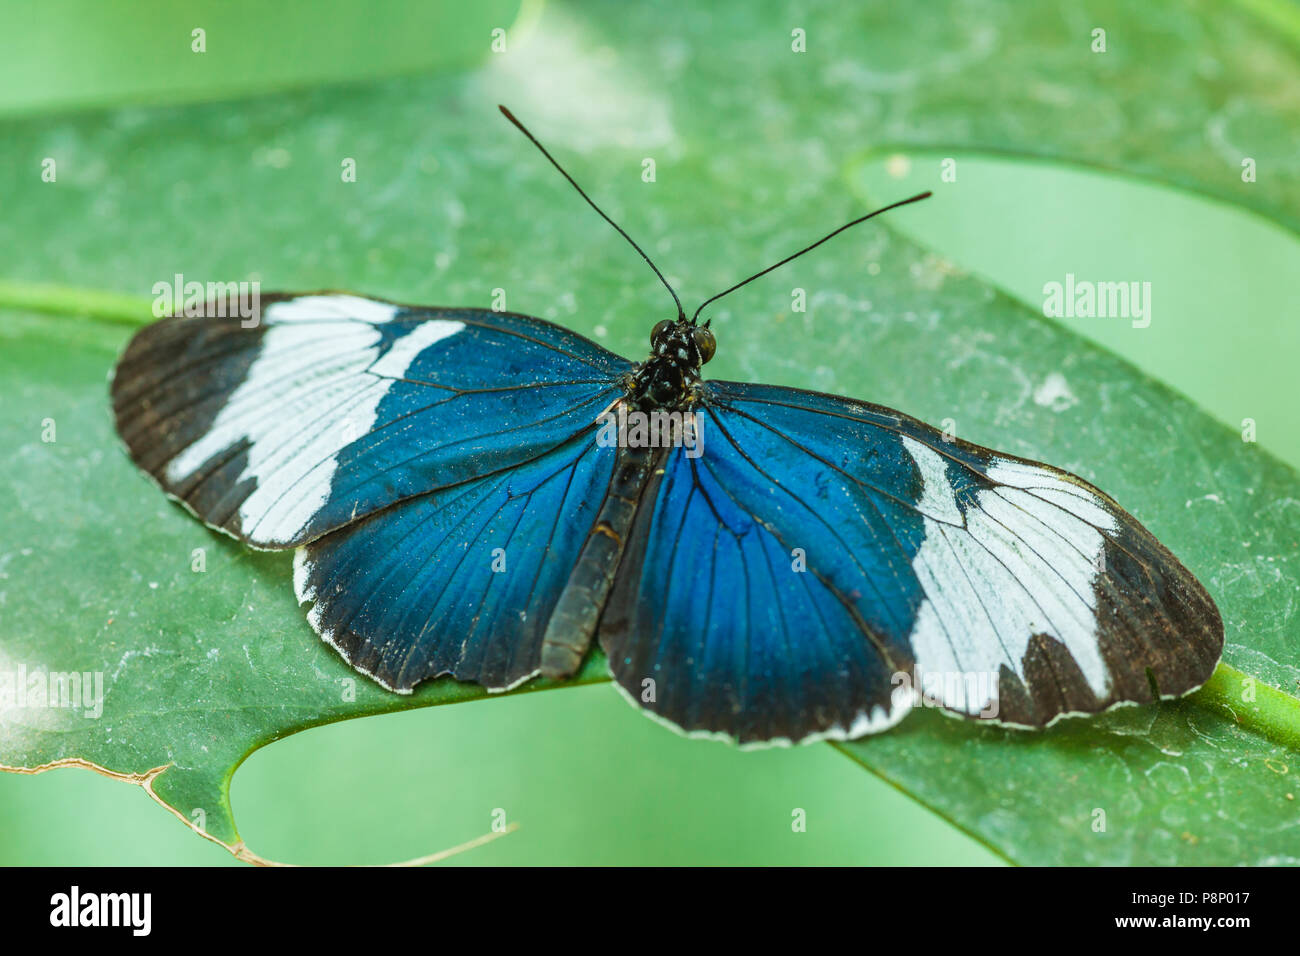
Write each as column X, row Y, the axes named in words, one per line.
column 202, row 667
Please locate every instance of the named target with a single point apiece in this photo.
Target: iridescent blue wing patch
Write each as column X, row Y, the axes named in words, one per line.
column 826, row 562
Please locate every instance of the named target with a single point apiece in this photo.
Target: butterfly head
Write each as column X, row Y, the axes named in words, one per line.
column 682, row 343
column 667, row 379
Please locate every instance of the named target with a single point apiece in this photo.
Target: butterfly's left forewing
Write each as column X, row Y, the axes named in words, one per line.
column 823, row 557
column 334, row 406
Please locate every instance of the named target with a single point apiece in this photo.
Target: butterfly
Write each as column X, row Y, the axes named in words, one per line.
column 466, row 497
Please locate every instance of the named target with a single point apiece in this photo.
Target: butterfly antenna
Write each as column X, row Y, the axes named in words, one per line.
column 847, row 225
column 681, row 314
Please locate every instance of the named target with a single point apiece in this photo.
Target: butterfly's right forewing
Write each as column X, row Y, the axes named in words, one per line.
column 826, row 564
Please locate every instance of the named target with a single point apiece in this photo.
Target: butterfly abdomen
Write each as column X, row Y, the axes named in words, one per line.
column 577, row 612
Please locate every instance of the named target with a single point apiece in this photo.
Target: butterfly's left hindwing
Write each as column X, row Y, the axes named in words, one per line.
column 825, row 563
column 460, row 581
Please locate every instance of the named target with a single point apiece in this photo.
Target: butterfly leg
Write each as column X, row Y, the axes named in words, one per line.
column 577, row 613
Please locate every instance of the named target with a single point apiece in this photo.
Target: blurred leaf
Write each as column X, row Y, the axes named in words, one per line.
column 200, row 668
column 163, row 52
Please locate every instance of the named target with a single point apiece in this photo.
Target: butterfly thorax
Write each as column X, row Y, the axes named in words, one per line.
column 668, row 378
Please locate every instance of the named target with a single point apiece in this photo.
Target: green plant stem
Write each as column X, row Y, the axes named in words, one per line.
column 1257, row 706
column 116, row 307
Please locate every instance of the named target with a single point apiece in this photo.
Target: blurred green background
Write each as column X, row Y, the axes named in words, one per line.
column 588, row 779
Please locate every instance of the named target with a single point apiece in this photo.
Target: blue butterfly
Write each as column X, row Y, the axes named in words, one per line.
column 467, row 497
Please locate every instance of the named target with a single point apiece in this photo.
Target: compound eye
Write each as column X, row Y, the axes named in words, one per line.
column 704, row 343
column 659, row 331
